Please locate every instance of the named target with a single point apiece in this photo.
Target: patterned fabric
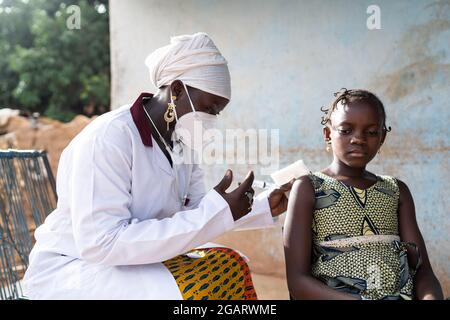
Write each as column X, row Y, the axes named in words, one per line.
column 356, row 247
column 212, row 274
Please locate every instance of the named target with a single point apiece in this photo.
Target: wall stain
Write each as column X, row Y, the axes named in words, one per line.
column 423, row 65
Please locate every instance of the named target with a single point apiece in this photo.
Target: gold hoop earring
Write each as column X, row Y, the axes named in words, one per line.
column 169, row 115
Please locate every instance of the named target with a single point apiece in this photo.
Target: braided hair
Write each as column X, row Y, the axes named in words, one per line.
column 347, row 97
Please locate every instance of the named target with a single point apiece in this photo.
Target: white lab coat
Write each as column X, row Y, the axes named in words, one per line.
column 119, row 215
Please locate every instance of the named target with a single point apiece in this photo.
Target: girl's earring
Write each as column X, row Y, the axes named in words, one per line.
column 169, row 115
column 328, row 148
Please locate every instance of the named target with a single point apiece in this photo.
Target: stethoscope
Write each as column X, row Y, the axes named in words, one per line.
column 181, row 193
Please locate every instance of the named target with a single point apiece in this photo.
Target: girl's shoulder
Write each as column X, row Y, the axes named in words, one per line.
column 317, row 179
column 321, row 181
column 386, row 182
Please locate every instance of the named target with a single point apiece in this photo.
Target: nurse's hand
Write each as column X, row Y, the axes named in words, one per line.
column 277, row 199
column 240, row 199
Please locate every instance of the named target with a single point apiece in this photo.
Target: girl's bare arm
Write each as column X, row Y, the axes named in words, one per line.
column 297, row 246
column 425, row 282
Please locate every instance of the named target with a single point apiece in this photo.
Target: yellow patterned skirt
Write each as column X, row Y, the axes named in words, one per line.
column 212, row 274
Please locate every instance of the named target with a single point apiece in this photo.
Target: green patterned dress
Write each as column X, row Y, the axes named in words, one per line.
column 356, row 243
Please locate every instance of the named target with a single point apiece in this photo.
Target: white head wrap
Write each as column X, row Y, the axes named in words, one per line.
column 193, row 59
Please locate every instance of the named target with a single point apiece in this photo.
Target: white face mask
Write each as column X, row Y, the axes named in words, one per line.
column 190, row 127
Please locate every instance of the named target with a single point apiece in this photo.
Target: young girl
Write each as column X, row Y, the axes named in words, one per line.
column 351, row 234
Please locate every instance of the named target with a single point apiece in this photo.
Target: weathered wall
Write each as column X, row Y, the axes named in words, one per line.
column 286, row 59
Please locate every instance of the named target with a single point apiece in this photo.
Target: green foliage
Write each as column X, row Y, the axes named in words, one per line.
column 48, row 67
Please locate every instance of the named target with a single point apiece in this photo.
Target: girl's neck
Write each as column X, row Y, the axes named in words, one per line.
column 339, row 169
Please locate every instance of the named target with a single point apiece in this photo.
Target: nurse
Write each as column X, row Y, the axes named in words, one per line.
column 132, row 220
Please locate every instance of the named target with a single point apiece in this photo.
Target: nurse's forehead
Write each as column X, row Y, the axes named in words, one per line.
column 356, row 112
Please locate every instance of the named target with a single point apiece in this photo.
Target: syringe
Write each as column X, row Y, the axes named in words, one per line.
column 262, row 184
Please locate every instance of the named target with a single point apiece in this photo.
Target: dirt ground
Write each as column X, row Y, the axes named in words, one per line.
column 269, row 287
